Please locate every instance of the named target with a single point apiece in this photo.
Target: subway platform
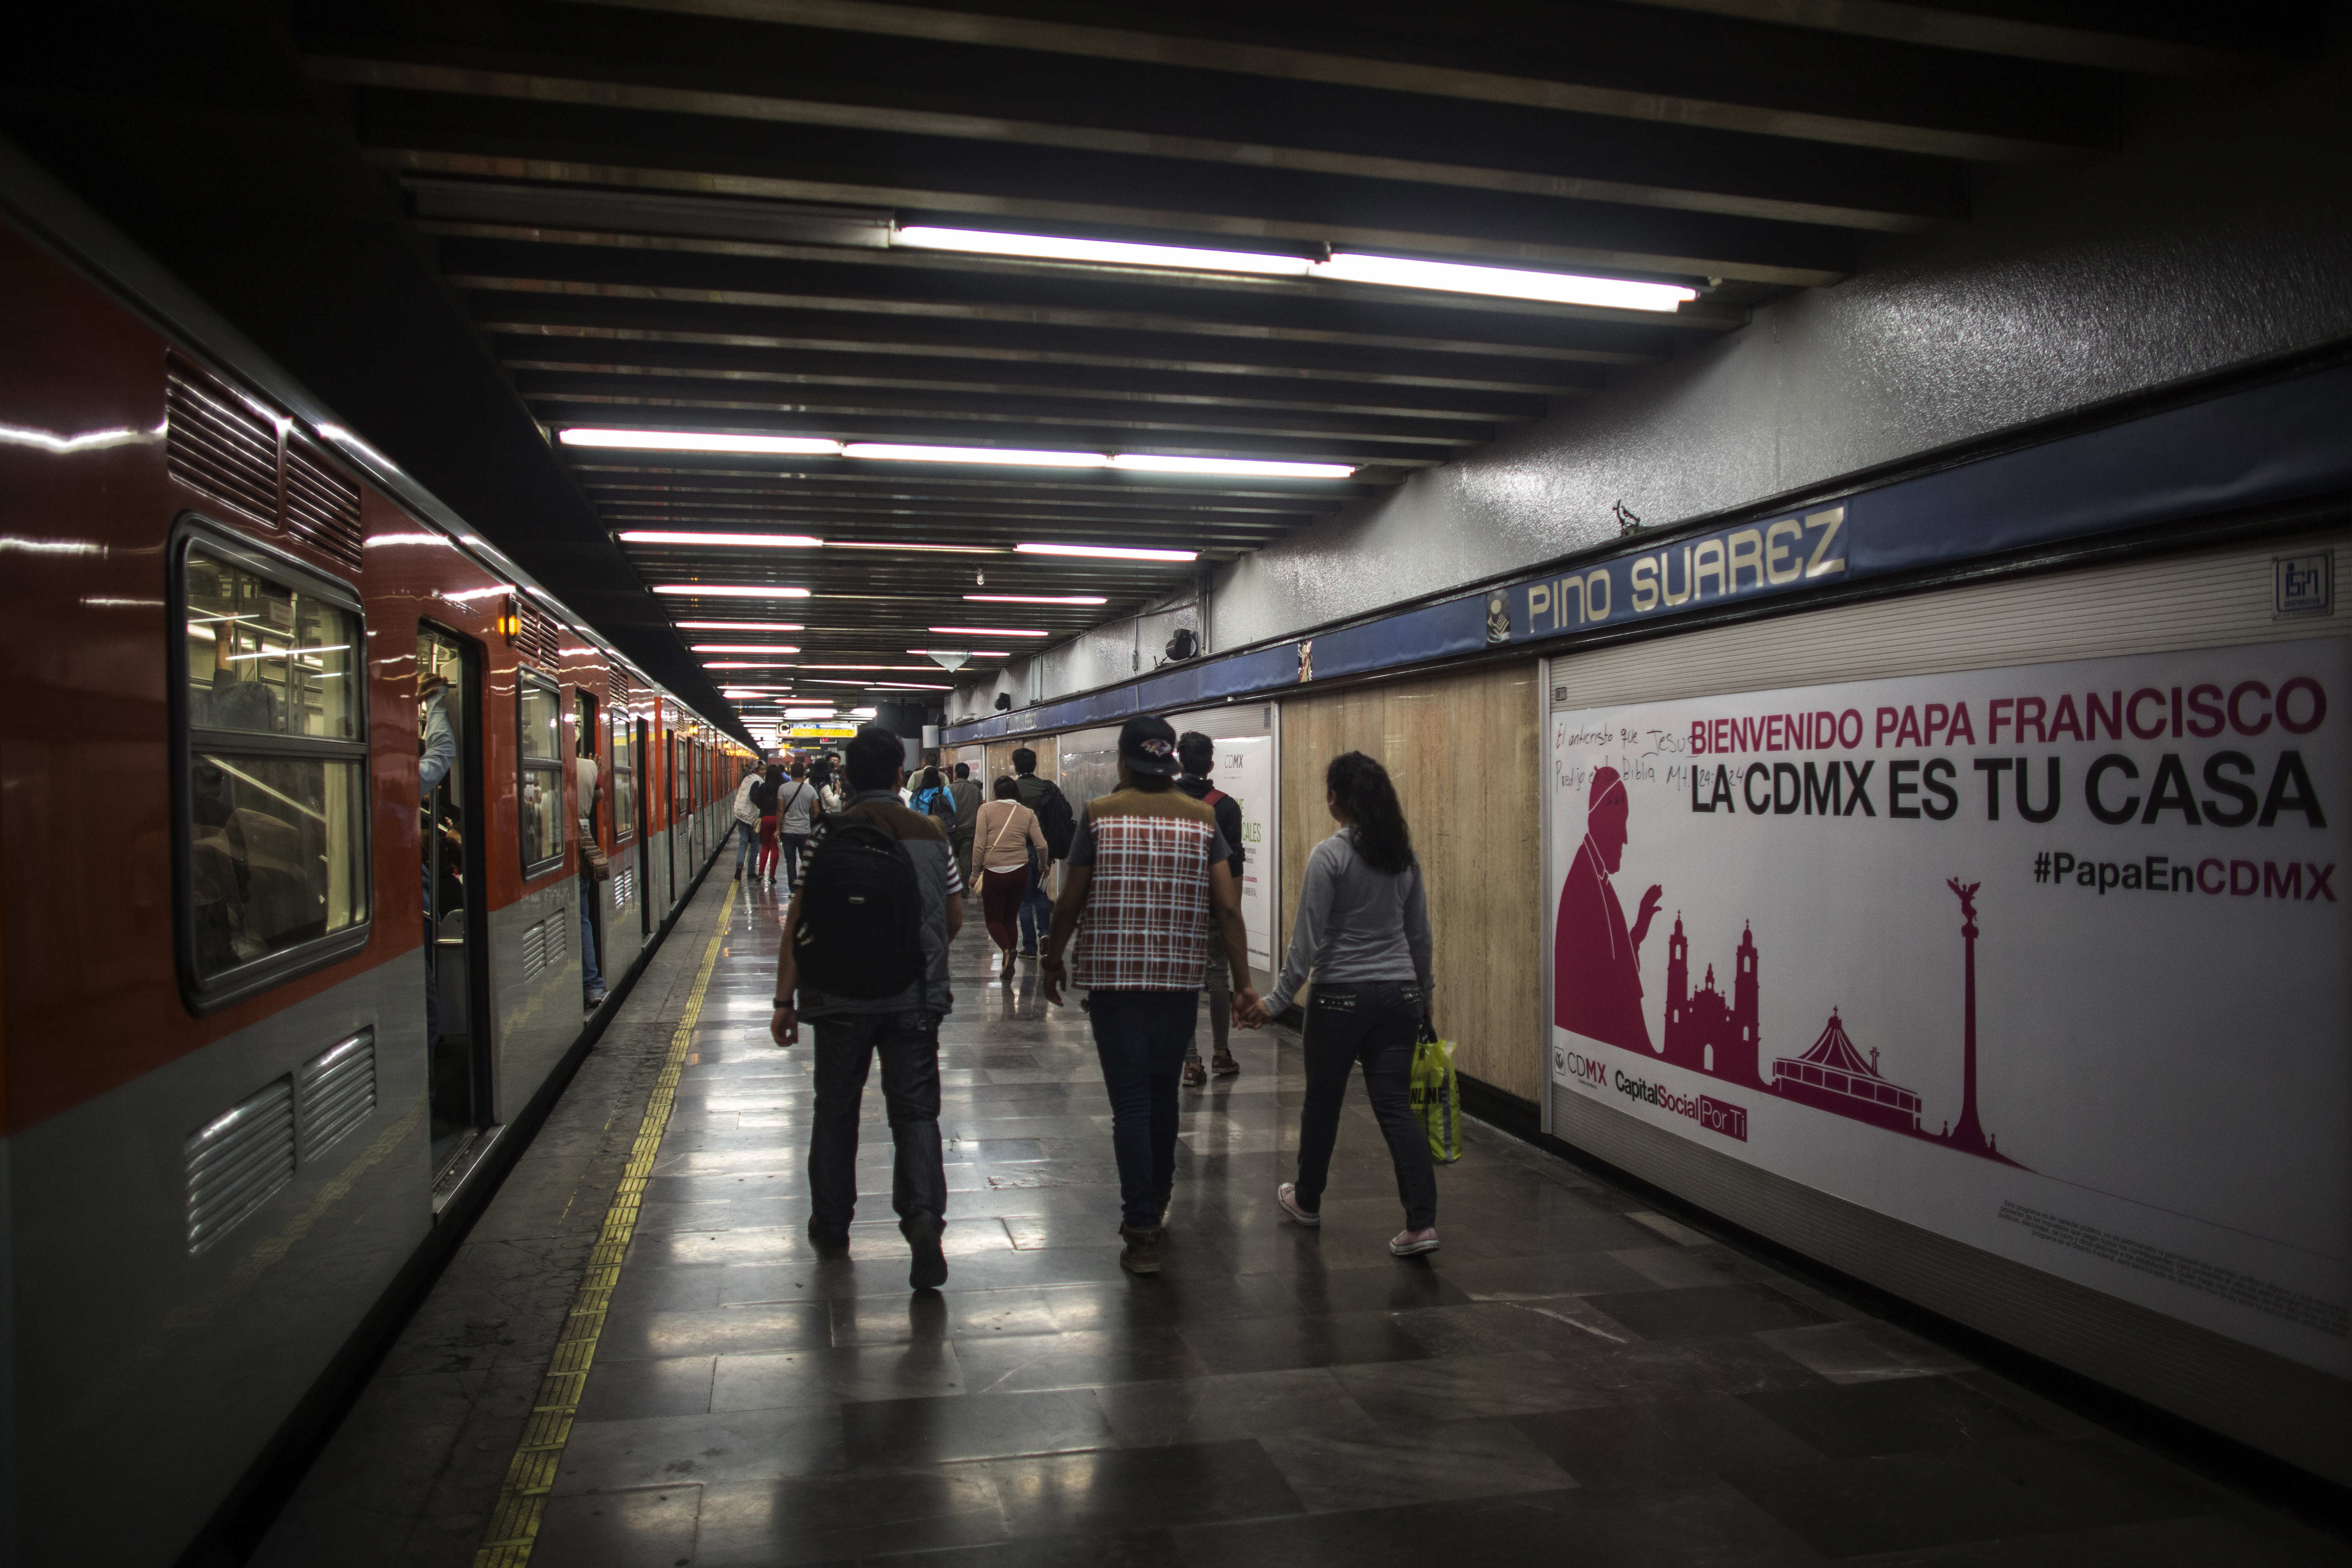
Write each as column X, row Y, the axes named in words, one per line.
column 1574, row 1379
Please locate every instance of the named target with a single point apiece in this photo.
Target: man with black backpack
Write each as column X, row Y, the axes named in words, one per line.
column 865, row 960
column 1044, row 797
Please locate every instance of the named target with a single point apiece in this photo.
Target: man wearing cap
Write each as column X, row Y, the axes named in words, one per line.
column 1146, row 890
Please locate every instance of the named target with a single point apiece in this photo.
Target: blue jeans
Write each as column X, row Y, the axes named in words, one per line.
column 1037, row 913
column 1141, row 1037
column 747, row 842
column 908, row 1044
column 592, row 979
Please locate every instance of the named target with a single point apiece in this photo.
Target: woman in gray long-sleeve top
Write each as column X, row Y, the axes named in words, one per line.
column 1362, row 931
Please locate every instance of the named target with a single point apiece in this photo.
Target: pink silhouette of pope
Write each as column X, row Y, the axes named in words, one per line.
column 1596, row 962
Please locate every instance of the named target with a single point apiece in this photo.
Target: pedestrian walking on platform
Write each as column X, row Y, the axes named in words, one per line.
column 1148, row 890
column 763, row 799
column 1044, row 797
column 865, row 961
column 968, row 796
column 1011, row 846
column 1198, row 754
column 1361, row 932
column 800, row 806
column 746, row 818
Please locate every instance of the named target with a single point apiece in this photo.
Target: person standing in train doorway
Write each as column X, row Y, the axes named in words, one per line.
column 1362, row 930
column 591, row 854
column 1149, row 889
column 436, row 754
column 1198, row 754
column 1596, row 960
column 1044, row 797
column 865, row 960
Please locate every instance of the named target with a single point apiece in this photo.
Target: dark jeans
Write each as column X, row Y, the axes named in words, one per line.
column 1376, row 1023
column 1140, row 1037
column 1037, row 913
column 796, row 850
column 910, row 1046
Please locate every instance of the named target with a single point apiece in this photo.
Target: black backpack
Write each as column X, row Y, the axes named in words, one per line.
column 1053, row 809
column 861, row 930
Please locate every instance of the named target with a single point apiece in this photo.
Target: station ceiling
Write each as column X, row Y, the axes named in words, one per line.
column 473, row 226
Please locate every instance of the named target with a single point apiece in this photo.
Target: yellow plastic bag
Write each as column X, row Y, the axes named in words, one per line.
column 1437, row 1097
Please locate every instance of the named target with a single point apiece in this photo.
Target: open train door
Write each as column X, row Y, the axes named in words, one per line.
column 457, row 920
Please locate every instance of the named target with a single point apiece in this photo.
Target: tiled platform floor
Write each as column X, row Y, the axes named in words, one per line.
column 1572, row 1380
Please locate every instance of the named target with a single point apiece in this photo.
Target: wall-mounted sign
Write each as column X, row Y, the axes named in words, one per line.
column 2048, row 960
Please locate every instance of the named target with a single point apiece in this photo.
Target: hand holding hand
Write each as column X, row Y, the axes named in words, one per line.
column 1249, row 1009
column 785, row 1027
column 1052, row 973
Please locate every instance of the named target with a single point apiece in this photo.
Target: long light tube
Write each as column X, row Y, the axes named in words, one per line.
column 729, row 591
column 895, row 452
column 1108, row 552
column 741, row 648
column 748, row 541
column 1342, row 267
column 985, row 631
column 966, row 652
column 1034, row 599
column 739, row 626
column 1260, row 467
column 700, row 441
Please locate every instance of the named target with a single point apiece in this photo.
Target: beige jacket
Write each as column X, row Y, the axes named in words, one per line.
column 1001, row 834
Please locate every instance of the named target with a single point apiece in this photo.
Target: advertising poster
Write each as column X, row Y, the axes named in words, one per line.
column 2049, row 960
column 1246, row 770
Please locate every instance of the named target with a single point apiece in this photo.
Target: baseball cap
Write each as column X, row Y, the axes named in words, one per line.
column 1148, row 745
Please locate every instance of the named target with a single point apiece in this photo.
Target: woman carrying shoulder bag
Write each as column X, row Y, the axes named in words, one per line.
column 1003, row 835
column 1361, row 929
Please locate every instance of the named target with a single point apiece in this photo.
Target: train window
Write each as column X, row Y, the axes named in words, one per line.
column 539, row 724
column 625, row 778
column 275, row 832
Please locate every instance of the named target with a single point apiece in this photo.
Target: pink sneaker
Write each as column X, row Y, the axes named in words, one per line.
column 1286, row 1196
column 1412, row 1243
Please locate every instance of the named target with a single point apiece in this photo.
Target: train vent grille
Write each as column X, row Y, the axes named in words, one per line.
column 218, row 444
column 534, row 949
column 334, row 1092
column 624, row 884
column 617, row 691
column 322, row 507
column 535, row 635
column 237, row 1160
column 556, row 928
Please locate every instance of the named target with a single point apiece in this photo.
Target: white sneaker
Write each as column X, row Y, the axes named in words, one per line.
column 1412, row 1243
column 1286, row 1196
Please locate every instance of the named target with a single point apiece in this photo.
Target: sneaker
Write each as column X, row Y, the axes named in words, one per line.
column 595, row 1000
column 829, row 1244
column 931, row 1268
column 1195, row 1075
column 1142, row 1254
column 1028, row 953
column 1412, row 1243
column 1224, row 1065
column 1286, row 1196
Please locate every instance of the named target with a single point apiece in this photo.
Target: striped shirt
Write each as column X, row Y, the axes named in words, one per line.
column 1146, row 924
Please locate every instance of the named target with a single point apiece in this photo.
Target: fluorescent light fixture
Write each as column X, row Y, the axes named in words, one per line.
column 739, row 664
column 1505, row 282
column 701, row 441
column 809, row 712
column 1108, row 552
column 729, row 591
column 939, row 549
column 748, row 541
column 1259, row 468
column 884, row 685
column 739, row 626
column 892, row 452
column 864, row 712
column 1053, row 247
column 985, row 631
column 925, row 668
column 966, row 652
column 1342, row 267
column 1034, row 599
column 741, row 648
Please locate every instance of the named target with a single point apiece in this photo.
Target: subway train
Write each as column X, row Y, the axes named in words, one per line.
column 292, row 924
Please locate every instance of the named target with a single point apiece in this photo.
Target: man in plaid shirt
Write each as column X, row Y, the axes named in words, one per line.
column 1147, row 879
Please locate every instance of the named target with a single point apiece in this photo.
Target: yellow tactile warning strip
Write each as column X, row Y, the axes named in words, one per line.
column 514, row 1522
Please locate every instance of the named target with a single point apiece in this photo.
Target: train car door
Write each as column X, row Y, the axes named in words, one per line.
column 456, row 973
column 642, row 796
column 593, row 813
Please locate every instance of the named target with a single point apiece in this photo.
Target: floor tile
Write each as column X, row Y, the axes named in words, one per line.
column 1373, row 1463
column 1661, row 1442
column 911, row 1433
column 1704, row 1309
column 1274, row 1344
